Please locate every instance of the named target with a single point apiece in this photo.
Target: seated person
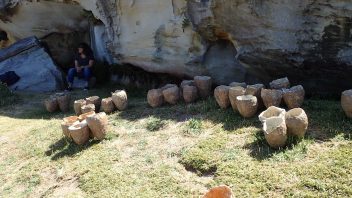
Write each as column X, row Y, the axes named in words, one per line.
column 84, row 61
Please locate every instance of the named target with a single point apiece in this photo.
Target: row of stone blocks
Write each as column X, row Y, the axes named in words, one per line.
column 88, row 122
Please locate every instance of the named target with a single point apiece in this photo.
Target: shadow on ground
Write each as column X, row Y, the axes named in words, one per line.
column 67, row 148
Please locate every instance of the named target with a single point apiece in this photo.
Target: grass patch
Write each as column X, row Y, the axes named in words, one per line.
column 193, row 127
column 37, row 161
column 204, row 156
column 155, row 124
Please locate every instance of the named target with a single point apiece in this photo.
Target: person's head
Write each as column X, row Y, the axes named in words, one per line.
column 84, row 48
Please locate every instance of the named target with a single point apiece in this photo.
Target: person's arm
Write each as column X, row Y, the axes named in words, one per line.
column 77, row 66
column 91, row 63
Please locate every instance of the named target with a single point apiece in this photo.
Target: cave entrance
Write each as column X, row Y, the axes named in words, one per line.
column 221, row 62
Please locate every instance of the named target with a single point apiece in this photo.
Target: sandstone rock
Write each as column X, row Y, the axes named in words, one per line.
column 203, row 84
column 346, row 102
column 271, row 97
column 87, row 108
column 80, row 83
column 98, row 124
column 282, row 83
column 184, row 83
column 221, row 94
column 247, row 105
column 255, row 90
column 187, row 82
column 77, row 105
column 238, row 84
column 167, row 86
column 171, row 95
column 163, row 44
column 275, row 131
column 79, row 133
column 296, row 122
column 51, row 104
column 63, row 100
column 33, row 65
column 271, row 112
column 155, row 98
column 95, row 100
column 219, row 192
column 85, row 115
column 66, row 123
column 190, row 93
column 108, row 105
column 119, row 97
column 233, row 93
column 294, row 97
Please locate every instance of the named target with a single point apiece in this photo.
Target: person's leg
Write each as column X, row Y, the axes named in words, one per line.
column 70, row 76
column 87, row 72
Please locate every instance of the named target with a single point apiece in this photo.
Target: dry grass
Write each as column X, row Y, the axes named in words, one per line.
column 177, row 151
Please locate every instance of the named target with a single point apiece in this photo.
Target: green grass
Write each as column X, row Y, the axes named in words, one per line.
column 192, row 147
column 155, row 124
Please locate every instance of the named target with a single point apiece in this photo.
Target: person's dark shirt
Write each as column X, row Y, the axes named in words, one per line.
column 83, row 61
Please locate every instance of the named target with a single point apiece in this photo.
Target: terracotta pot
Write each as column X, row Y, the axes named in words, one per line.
column 63, row 101
column 296, row 122
column 272, row 112
column 233, row 93
column 275, row 131
column 108, row 105
column 271, row 97
column 85, row 115
column 51, row 104
column 79, row 133
column 203, row 84
column 120, row 99
column 95, row 100
column 77, row 105
column 190, row 93
column 294, row 97
column 247, row 105
column 282, row 83
column 255, row 90
column 238, row 84
column 172, row 95
column 221, row 94
column 98, row 125
column 219, row 192
column 346, row 102
column 155, row 98
column 87, row 108
column 66, row 123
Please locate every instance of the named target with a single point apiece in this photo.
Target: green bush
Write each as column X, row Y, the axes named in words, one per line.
column 6, row 95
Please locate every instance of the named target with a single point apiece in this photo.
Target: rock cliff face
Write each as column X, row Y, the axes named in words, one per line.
column 232, row 40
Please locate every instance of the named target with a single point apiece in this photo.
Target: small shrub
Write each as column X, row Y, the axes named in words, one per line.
column 193, row 126
column 155, row 124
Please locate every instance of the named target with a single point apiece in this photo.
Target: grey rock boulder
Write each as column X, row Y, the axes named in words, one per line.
column 35, row 67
